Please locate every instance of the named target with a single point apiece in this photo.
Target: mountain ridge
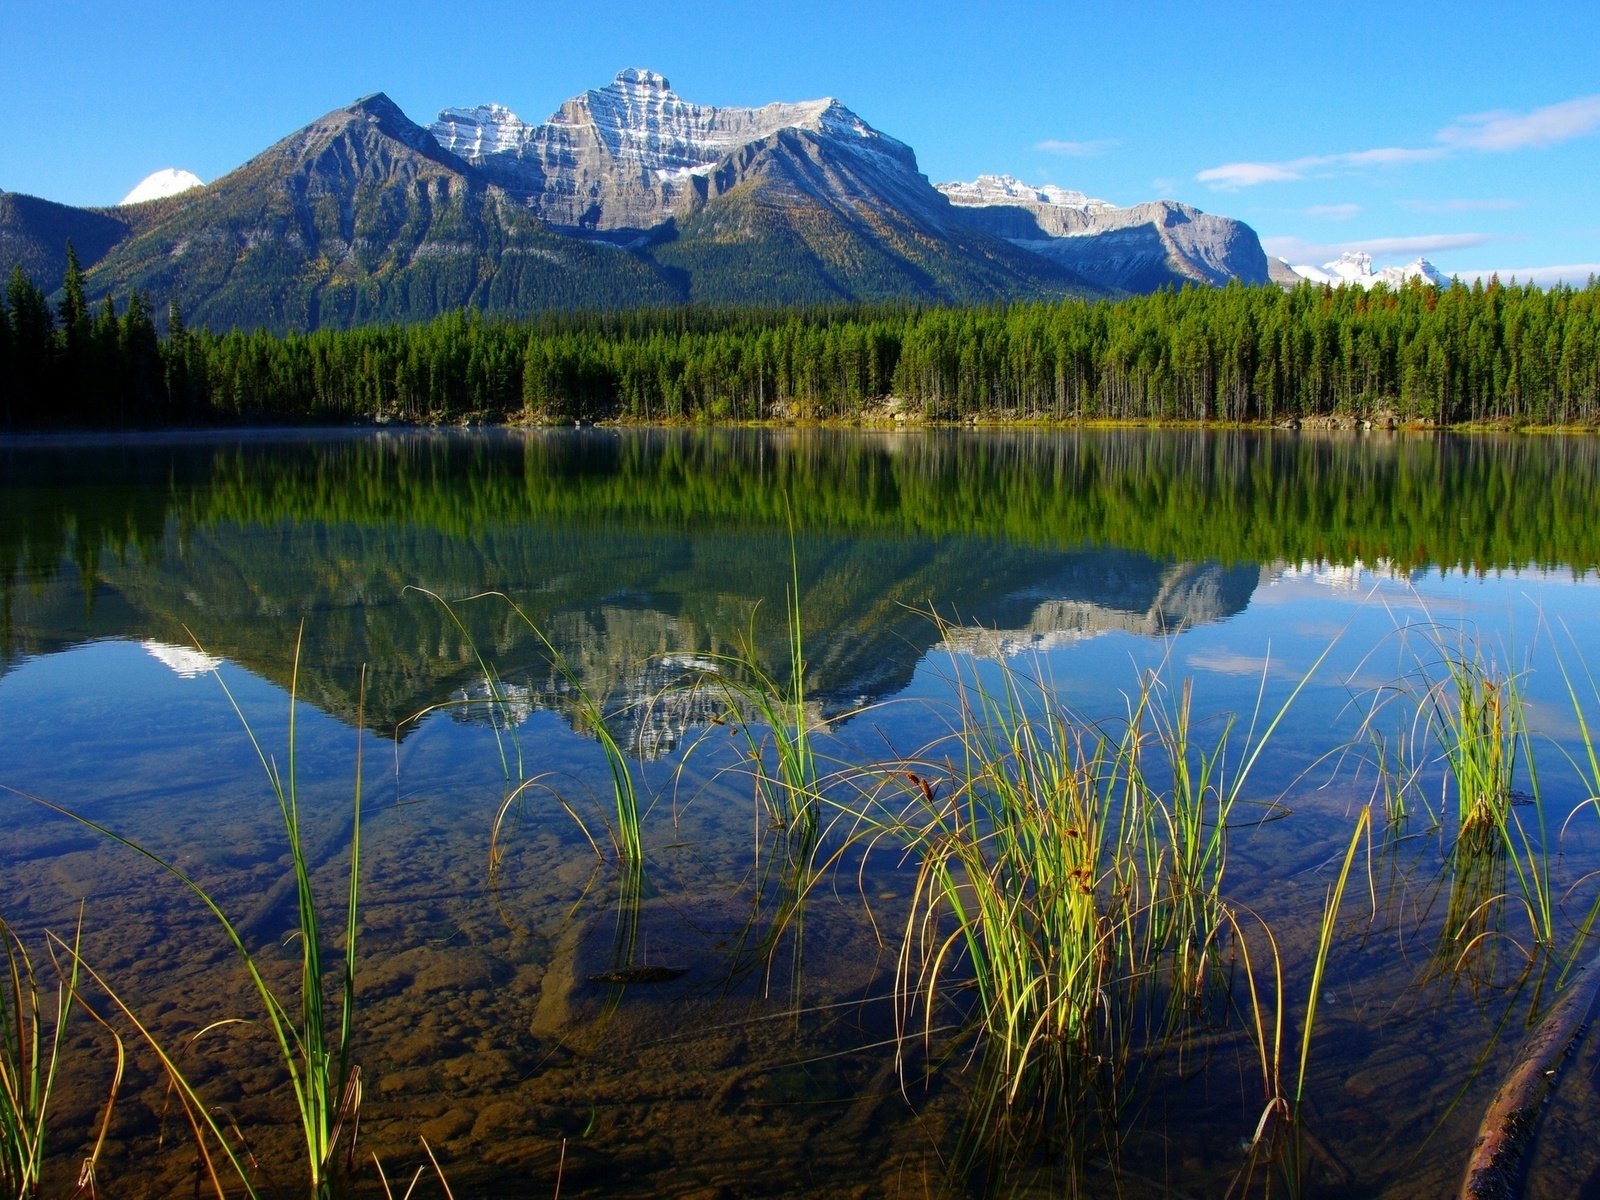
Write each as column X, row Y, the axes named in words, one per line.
column 628, row 195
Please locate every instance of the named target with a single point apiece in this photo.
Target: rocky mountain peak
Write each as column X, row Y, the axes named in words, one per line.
column 626, row 156
column 1137, row 248
column 385, row 117
column 1005, row 189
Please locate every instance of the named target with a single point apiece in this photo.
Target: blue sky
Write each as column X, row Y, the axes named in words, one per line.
column 1468, row 132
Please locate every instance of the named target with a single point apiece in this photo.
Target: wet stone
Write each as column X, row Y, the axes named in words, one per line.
column 448, row 1126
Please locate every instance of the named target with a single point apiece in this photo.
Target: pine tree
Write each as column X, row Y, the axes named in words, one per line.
column 32, row 354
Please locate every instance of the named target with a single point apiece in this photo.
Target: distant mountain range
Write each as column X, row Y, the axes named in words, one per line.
column 628, row 195
column 1355, row 267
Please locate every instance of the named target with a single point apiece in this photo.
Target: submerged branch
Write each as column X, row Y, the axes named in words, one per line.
column 1496, row 1169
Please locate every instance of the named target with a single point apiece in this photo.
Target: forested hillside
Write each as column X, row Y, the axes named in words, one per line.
column 1486, row 354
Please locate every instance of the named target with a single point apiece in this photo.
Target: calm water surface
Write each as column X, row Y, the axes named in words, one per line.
column 148, row 580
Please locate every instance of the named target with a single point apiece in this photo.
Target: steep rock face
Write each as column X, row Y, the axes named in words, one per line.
column 1134, row 249
column 630, row 155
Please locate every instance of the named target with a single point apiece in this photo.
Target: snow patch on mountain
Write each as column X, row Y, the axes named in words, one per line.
column 630, row 155
column 638, row 119
column 1354, row 266
column 1005, row 189
column 169, row 181
column 474, row 132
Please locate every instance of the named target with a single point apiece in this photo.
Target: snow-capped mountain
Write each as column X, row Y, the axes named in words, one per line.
column 1137, row 248
column 1353, row 266
column 629, row 155
column 1004, row 189
column 170, row 181
column 626, row 159
column 628, row 195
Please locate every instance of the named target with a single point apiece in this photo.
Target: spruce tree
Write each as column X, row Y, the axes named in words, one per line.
column 32, row 350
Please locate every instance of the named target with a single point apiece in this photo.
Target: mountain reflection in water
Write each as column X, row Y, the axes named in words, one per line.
column 133, row 573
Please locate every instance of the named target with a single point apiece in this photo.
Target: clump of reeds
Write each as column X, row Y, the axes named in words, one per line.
column 588, row 714
column 1012, row 854
column 1477, row 716
column 313, row 1044
column 1070, row 892
column 30, row 1058
column 1478, row 719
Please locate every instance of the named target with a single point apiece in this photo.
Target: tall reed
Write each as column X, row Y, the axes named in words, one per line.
column 771, row 713
column 30, row 1058
column 314, row 1045
column 588, row 711
column 1187, row 801
column 1032, row 888
column 1071, row 875
column 1477, row 716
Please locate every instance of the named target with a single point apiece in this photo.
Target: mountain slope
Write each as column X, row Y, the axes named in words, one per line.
column 630, row 155
column 358, row 217
column 34, row 234
column 1136, row 249
column 799, row 215
column 780, row 204
column 627, row 196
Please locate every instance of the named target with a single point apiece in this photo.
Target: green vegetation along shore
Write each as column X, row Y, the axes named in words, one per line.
column 1508, row 356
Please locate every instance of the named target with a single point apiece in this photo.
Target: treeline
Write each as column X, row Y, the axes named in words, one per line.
column 1497, row 354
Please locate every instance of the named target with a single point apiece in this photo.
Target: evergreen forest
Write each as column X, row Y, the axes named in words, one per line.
column 1490, row 354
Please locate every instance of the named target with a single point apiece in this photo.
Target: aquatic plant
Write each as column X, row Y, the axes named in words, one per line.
column 1016, row 890
column 314, row 1045
column 772, row 714
column 1477, row 716
column 416, row 1176
column 1069, row 905
column 30, row 1058
column 1278, row 1139
column 1190, row 796
column 1479, row 719
column 589, row 714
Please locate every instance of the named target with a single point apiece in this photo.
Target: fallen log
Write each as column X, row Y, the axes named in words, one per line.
column 1496, row 1168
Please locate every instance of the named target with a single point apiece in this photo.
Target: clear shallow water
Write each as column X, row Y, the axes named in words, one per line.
column 764, row 1068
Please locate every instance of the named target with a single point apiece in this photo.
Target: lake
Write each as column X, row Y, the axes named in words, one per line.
column 468, row 620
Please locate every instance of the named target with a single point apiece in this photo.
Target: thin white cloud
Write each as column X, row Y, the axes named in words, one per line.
column 1459, row 206
column 1076, row 149
column 1231, row 176
column 1484, row 133
column 1432, row 243
column 1500, row 131
column 1333, row 212
column 1383, row 156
